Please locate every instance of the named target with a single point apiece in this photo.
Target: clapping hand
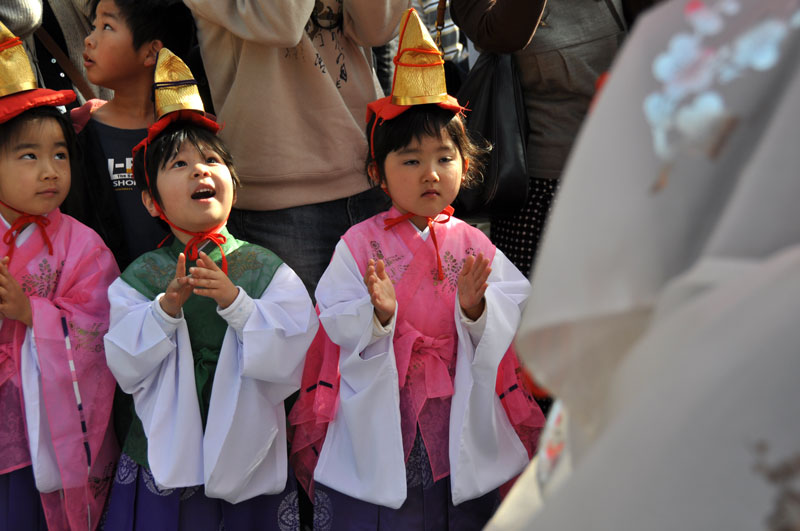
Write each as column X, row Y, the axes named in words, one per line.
column 472, row 285
column 208, row 280
column 381, row 291
column 14, row 304
column 178, row 289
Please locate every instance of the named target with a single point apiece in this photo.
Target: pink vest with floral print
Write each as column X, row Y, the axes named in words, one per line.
column 425, row 343
column 69, row 303
column 425, row 334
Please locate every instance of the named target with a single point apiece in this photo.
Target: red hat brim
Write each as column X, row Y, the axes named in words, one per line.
column 195, row 117
column 384, row 109
column 16, row 104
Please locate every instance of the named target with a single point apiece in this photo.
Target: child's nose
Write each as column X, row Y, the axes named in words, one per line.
column 49, row 171
column 201, row 169
column 431, row 175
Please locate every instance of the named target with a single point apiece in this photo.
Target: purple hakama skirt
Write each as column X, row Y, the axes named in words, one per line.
column 428, row 506
column 20, row 502
column 137, row 504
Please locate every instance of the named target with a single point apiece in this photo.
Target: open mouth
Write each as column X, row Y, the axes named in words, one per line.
column 204, row 193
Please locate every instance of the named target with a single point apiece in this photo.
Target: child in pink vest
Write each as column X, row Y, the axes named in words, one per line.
column 57, row 452
column 411, row 412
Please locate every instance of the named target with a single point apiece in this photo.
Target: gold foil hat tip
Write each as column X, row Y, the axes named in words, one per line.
column 16, row 74
column 419, row 67
column 174, row 86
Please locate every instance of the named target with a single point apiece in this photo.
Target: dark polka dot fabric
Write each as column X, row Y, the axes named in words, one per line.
column 518, row 236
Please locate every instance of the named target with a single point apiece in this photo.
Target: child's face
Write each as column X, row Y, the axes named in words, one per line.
column 34, row 169
column 108, row 54
column 424, row 177
column 196, row 190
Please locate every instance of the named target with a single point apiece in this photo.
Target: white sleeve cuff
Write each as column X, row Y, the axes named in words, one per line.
column 167, row 323
column 379, row 330
column 238, row 312
column 476, row 327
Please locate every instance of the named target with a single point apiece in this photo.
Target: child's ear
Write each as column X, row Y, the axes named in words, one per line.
column 151, row 50
column 150, row 204
column 466, row 166
column 374, row 174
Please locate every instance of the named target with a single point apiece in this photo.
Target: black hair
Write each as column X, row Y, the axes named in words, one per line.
column 168, row 21
column 167, row 144
column 12, row 128
column 413, row 124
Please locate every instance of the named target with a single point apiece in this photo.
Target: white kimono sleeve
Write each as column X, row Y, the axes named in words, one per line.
column 260, row 364
column 46, row 473
column 150, row 355
column 363, row 451
column 485, row 451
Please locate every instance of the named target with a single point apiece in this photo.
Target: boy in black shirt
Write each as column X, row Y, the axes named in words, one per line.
column 120, row 54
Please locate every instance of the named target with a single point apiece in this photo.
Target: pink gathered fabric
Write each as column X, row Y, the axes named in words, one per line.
column 68, row 286
column 425, row 345
column 80, row 116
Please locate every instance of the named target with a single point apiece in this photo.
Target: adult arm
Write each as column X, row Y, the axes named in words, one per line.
column 84, row 7
column 501, row 26
column 275, row 23
column 21, row 17
column 373, row 22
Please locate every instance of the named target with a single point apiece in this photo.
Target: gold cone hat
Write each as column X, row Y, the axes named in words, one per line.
column 16, row 74
column 419, row 68
column 174, row 85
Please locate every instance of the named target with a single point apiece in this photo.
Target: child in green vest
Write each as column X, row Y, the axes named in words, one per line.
column 209, row 335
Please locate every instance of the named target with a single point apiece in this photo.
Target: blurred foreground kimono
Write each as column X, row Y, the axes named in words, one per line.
column 675, row 353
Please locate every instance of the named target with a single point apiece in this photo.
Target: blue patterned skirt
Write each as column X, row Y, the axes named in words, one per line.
column 137, row 504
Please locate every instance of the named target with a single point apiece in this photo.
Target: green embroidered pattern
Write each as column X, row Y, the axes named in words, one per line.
column 88, row 340
column 44, row 283
column 248, row 259
column 153, row 268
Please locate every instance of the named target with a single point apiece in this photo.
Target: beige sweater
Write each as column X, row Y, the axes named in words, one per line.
column 290, row 81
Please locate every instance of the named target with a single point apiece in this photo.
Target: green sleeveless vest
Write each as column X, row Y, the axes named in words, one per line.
column 249, row 266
